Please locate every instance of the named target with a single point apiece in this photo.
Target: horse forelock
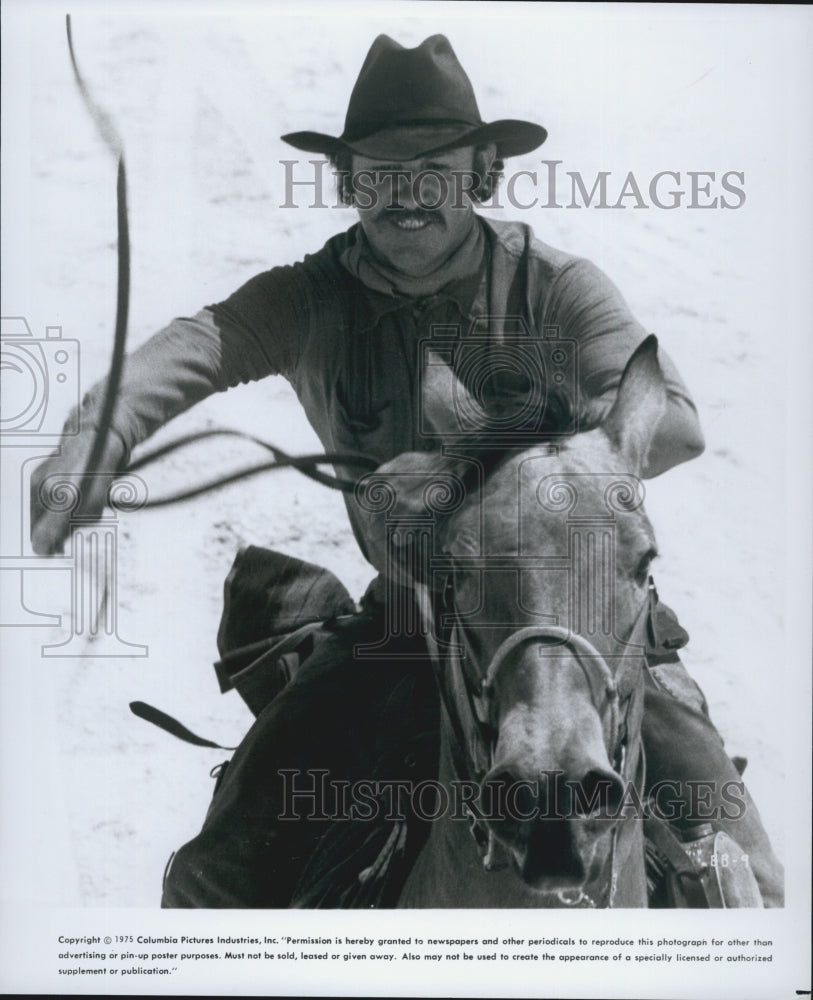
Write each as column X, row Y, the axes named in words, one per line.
column 560, row 423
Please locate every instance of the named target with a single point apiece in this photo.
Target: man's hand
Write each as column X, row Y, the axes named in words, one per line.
column 50, row 528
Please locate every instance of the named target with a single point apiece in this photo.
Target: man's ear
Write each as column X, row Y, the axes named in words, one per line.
column 487, row 155
column 485, row 158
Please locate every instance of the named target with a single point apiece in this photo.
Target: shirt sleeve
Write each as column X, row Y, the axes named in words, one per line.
column 588, row 308
column 253, row 333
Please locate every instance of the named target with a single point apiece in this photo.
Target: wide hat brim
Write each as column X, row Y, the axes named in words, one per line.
column 411, row 142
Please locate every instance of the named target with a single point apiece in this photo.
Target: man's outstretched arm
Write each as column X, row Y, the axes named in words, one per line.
column 179, row 366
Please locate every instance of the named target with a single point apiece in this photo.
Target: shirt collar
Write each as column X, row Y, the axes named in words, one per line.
column 468, row 293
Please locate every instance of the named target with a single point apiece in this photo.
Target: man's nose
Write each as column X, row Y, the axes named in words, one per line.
column 405, row 189
column 428, row 190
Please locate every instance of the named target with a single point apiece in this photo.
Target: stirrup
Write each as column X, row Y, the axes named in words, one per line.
column 706, row 870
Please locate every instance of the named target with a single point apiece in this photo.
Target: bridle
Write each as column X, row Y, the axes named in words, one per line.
column 607, row 689
column 472, row 719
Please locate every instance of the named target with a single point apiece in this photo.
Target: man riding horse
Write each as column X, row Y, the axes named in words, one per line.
column 346, row 327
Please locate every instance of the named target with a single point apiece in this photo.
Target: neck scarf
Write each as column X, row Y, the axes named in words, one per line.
column 375, row 273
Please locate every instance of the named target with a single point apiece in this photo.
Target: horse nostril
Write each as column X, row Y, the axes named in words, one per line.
column 509, row 799
column 598, row 793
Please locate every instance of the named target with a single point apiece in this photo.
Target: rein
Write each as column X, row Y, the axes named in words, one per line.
column 306, row 464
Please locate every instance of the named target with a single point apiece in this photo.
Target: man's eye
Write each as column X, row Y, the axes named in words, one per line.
column 382, row 173
column 440, row 168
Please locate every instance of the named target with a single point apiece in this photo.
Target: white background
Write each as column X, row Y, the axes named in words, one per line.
column 93, row 800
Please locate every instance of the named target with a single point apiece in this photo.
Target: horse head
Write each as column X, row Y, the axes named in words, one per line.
column 537, row 619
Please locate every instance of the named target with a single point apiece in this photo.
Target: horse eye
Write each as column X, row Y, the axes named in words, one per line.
column 642, row 572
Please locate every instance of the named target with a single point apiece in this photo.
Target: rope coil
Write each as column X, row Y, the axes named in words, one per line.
column 306, row 464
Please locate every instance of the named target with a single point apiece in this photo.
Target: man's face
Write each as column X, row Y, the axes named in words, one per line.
column 415, row 213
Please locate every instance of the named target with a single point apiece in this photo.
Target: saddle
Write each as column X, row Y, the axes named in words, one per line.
column 273, row 607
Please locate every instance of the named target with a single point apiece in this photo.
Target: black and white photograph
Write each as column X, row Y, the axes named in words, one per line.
column 406, row 488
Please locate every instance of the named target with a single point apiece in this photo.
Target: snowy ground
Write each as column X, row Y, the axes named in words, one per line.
column 200, row 102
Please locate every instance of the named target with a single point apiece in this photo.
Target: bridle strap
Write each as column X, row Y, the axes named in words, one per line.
column 479, row 727
column 460, row 762
column 476, row 732
column 602, row 688
column 604, row 685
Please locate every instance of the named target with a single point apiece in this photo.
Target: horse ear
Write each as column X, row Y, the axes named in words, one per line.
column 447, row 406
column 639, row 405
column 396, row 497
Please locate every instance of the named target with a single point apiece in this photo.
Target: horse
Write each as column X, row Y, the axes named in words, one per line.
column 534, row 604
column 521, row 568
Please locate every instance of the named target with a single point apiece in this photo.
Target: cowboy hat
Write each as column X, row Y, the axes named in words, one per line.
column 408, row 103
